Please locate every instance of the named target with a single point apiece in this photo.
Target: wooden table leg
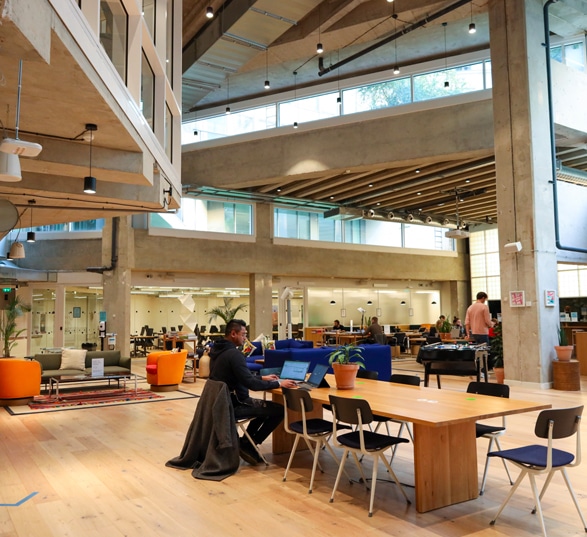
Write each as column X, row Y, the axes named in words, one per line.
column 445, row 465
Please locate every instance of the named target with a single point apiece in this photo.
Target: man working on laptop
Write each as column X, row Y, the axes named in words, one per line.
column 228, row 365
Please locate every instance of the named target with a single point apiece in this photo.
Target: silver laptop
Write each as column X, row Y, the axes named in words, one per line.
column 293, row 370
column 316, row 379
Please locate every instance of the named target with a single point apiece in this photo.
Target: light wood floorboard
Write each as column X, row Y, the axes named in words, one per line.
column 102, row 471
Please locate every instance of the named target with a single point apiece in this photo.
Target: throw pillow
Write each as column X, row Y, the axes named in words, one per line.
column 73, row 359
column 270, row 345
column 248, row 348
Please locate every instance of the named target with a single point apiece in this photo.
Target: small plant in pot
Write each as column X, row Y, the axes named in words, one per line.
column 563, row 349
column 345, row 361
column 444, row 329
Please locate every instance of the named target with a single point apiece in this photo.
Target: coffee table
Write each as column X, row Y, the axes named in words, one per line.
column 58, row 380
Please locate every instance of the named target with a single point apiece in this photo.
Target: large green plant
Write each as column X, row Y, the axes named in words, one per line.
column 445, row 327
column 8, row 328
column 226, row 312
column 346, row 354
column 496, row 343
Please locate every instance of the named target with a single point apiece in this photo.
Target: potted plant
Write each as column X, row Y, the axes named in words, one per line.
column 345, row 361
column 226, row 312
column 563, row 349
column 496, row 343
column 444, row 329
column 8, row 326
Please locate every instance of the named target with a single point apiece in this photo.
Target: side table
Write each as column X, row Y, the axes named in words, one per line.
column 566, row 375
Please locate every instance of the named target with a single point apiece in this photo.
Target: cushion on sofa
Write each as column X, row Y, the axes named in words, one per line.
column 73, row 359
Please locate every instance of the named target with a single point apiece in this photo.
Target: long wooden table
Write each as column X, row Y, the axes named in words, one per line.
column 445, row 451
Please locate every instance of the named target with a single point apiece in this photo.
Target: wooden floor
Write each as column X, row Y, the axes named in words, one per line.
column 101, row 471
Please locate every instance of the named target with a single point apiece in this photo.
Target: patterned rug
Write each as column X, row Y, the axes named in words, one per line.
column 95, row 398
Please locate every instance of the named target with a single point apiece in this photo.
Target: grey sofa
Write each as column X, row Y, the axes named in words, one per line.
column 50, row 363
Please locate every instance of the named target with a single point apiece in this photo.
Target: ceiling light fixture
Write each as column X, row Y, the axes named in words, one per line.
column 267, row 85
column 472, row 28
column 227, row 110
column 396, row 66
column 295, row 74
column 16, row 251
column 90, row 181
column 402, row 303
column 209, row 12
column 446, row 82
column 30, row 236
column 319, row 47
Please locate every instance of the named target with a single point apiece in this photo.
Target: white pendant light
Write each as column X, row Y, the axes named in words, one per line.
column 16, row 251
column 9, row 168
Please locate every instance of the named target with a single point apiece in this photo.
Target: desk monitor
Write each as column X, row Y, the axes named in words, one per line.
column 173, row 329
column 293, row 370
column 164, row 330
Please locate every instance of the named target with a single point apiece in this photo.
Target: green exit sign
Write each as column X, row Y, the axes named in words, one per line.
column 7, row 289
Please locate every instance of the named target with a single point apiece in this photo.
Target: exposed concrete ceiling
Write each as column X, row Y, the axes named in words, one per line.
column 61, row 93
column 226, row 60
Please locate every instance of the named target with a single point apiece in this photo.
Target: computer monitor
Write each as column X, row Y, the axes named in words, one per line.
column 173, row 329
column 164, row 330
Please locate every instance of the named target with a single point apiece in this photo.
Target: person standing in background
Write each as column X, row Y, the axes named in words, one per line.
column 478, row 319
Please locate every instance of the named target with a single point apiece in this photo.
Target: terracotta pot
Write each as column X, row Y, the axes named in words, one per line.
column 563, row 353
column 444, row 335
column 499, row 374
column 345, row 375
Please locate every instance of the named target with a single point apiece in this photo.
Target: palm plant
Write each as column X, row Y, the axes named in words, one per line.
column 226, row 312
column 8, row 328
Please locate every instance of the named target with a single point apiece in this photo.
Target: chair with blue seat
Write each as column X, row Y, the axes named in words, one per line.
column 536, row 459
column 356, row 413
column 315, row 431
column 491, row 432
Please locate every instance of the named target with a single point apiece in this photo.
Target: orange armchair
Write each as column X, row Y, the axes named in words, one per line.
column 20, row 381
column 165, row 370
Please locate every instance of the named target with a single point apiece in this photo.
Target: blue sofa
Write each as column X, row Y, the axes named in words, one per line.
column 376, row 358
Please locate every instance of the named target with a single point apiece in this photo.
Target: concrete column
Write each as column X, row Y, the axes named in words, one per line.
column 260, row 286
column 524, row 194
column 117, row 282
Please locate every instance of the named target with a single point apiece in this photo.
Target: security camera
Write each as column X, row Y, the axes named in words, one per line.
column 370, row 213
column 409, row 217
column 513, row 247
column 428, row 220
column 390, row 215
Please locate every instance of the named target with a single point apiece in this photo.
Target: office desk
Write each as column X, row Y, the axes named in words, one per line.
column 445, row 450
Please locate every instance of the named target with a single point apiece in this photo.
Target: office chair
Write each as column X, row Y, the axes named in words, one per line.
column 357, row 412
column 491, row 432
column 242, row 425
column 312, row 430
column 409, row 380
column 535, row 459
column 381, row 339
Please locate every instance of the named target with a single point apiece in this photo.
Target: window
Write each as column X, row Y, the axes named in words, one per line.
column 168, row 140
column 85, row 225
column 207, row 215
column 114, row 32
column 374, row 96
column 309, row 225
column 571, row 54
column 484, row 260
column 147, row 91
column 572, row 280
column 309, row 109
column 149, row 16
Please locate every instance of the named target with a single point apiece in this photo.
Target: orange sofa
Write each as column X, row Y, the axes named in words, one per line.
column 20, row 381
column 165, row 370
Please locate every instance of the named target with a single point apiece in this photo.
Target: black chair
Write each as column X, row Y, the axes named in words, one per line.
column 361, row 374
column 535, row 459
column 357, row 412
column 312, row 430
column 491, row 432
column 401, row 340
column 381, row 339
column 398, row 378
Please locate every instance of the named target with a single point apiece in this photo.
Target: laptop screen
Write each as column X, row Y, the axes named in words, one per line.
column 294, row 370
column 318, row 374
